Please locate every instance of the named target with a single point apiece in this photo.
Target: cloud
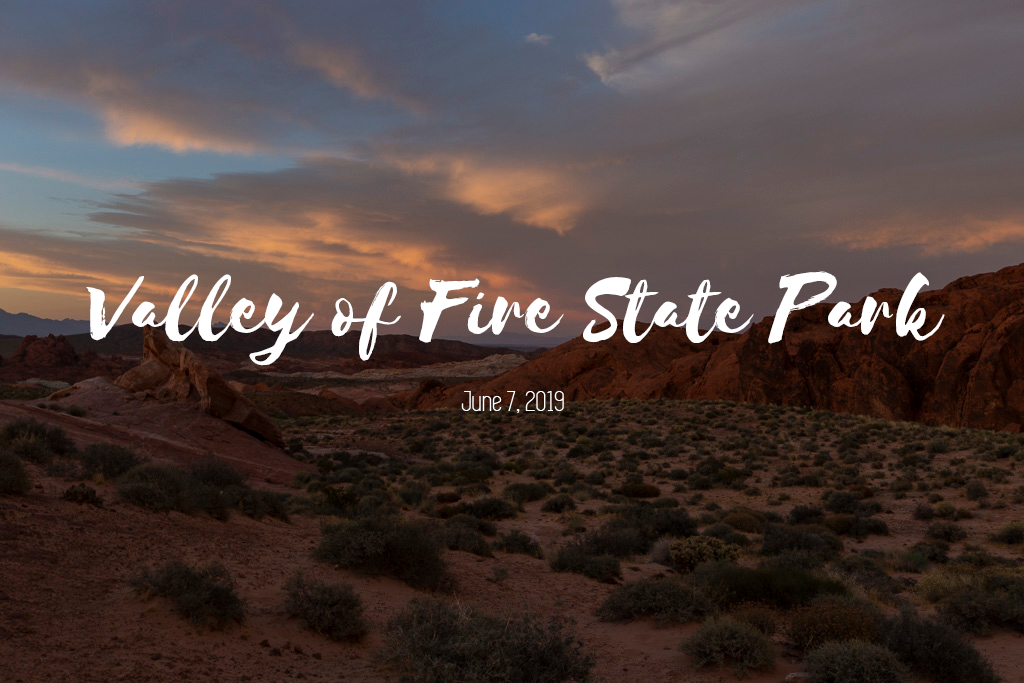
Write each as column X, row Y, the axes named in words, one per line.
column 65, row 176
column 968, row 236
column 733, row 140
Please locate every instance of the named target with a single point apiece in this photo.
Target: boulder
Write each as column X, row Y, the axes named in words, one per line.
column 170, row 372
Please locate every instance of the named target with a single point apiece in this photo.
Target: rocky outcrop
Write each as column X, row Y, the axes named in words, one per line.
column 969, row 374
column 170, row 372
column 54, row 358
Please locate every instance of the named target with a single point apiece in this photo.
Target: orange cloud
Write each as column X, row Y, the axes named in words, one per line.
column 539, row 196
column 966, row 237
column 129, row 127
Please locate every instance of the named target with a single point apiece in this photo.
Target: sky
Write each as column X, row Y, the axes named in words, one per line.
column 318, row 149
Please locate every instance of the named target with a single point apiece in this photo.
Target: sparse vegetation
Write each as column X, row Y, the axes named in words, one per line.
column 330, row 609
column 434, row 641
column 411, row 551
column 722, row 641
column 666, row 600
column 14, row 478
column 855, row 661
column 203, row 595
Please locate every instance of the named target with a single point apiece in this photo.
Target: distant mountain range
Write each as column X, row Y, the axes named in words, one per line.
column 23, row 324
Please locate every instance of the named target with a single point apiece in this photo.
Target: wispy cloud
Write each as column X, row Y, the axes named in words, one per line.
column 66, row 176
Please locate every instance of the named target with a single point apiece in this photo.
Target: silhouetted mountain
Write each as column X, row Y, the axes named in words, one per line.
column 24, row 324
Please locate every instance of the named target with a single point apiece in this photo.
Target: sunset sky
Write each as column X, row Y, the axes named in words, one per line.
column 317, row 149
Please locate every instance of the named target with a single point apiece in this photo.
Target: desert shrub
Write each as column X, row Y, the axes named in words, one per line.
column 448, row 496
column 203, row 595
column 983, row 601
column 516, row 541
column 686, row 554
column 639, row 489
column 806, row 514
column 722, row 641
column 854, row 662
column 867, row 573
column 107, row 459
column 760, row 617
column 575, row 558
column 724, row 532
column 83, row 495
column 413, row 492
column 333, row 610
column 666, row 600
column 924, row 512
column 483, row 526
column 975, row 490
column 157, row 488
column 856, row 526
column 216, row 472
column 745, row 521
column 950, row 532
column 467, row 539
column 14, row 478
column 525, row 493
column 432, row 641
column 490, row 508
column 1011, row 533
column 934, row 650
column 812, row 539
column 828, row 619
column 779, row 586
column 411, row 551
column 54, row 440
column 560, row 503
column 618, row 539
column 258, row 503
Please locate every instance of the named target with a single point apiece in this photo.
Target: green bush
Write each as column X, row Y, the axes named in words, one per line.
column 14, row 478
column 639, row 489
column 525, row 493
column 259, row 503
column 666, row 600
column 51, row 440
column 950, row 532
column 216, row 472
column 490, row 508
column 410, row 551
column 760, row 617
column 432, row 641
column 516, row 541
column 466, row 539
column 686, row 554
column 483, row 526
column 333, row 610
column 560, row 503
column 815, row 540
column 934, row 650
column 83, row 495
column 107, row 459
column 1011, row 533
column 203, row 595
column 158, row 488
column 575, row 558
column 779, row 586
column 828, row 619
column 722, row 641
column 855, row 662
column 984, row 601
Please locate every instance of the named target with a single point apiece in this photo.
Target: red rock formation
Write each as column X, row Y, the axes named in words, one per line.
column 54, row 358
column 969, row 374
column 169, row 371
